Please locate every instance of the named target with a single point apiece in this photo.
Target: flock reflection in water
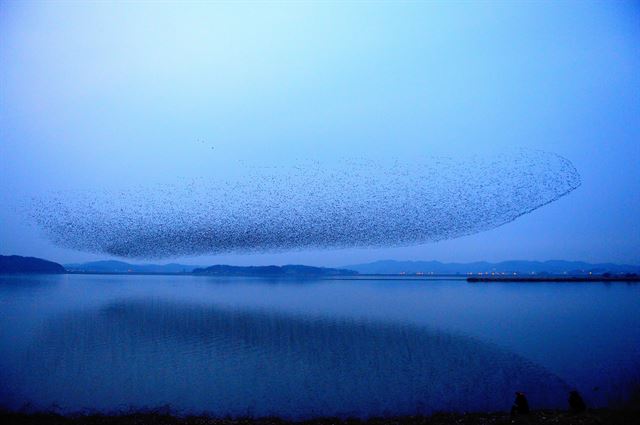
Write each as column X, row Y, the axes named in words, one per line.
column 223, row 361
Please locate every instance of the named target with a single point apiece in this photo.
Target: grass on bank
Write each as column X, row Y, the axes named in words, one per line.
column 592, row 417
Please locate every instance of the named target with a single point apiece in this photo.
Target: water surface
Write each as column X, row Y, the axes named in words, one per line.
column 303, row 348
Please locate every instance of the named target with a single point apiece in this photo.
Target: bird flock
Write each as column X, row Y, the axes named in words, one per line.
column 311, row 205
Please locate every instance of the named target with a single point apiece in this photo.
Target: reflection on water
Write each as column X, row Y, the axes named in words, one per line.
column 137, row 349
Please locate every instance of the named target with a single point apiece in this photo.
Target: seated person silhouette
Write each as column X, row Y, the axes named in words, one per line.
column 520, row 405
column 576, row 403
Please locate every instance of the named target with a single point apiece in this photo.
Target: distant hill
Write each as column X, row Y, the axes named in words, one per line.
column 18, row 264
column 538, row 267
column 555, row 267
column 122, row 267
column 275, row 271
column 219, row 270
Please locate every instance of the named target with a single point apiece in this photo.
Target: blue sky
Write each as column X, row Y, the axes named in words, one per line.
column 98, row 95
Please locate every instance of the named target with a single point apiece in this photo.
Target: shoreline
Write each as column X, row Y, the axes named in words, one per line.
column 553, row 279
column 365, row 277
column 604, row 416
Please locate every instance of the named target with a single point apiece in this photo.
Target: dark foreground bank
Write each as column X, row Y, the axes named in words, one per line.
column 592, row 417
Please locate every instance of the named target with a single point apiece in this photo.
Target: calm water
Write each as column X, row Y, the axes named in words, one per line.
column 239, row 346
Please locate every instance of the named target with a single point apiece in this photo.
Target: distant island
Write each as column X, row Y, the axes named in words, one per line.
column 10, row 264
column 276, row 271
column 121, row 267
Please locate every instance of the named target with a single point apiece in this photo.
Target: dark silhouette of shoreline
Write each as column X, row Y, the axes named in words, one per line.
column 163, row 417
column 593, row 278
column 14, row 264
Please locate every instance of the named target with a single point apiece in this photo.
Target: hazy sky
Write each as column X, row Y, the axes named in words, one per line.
column 98, row 95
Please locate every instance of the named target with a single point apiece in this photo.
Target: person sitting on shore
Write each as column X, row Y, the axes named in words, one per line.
column 576, row 403
column 520, row 405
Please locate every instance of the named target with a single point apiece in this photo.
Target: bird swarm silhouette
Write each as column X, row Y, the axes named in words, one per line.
column 347, row 203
